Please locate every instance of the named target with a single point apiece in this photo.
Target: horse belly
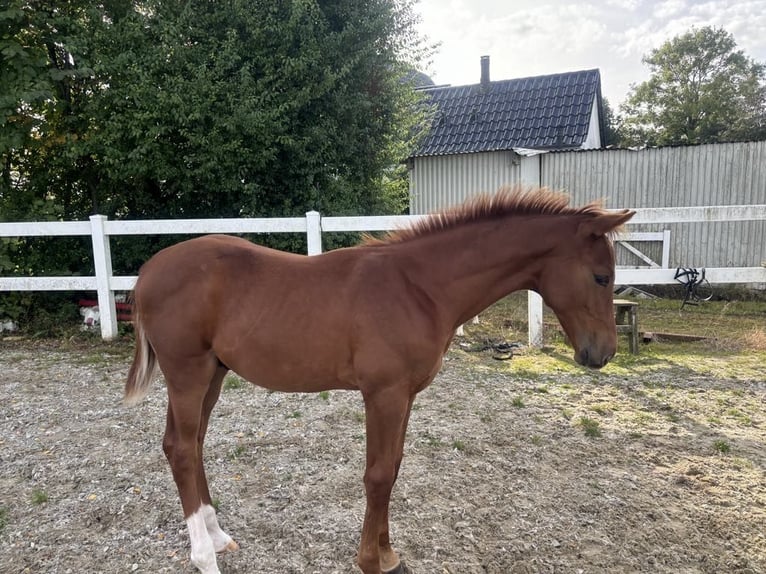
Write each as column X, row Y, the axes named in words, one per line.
column 293, row 370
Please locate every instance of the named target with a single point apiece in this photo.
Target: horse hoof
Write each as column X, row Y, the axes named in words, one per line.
column 230, row 547
column 401, row 568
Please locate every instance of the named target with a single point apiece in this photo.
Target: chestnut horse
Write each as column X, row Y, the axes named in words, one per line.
column 376, row 318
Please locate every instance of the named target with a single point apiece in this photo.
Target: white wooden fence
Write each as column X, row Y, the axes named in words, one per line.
column 100, row 229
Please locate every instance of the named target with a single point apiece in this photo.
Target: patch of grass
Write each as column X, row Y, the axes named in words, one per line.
column 603, row 409
column 536, row 439
column 294, row 415
column 724, row 320
column 96, row 359
column 740, row 417
column 590, row 426
column 432, row 440
column 517, row 402
column 39, row 497
column 737, row 352
column 673, row 416
column 458, row 445
column 233, row 382
column 324, row 395
column 642, row 418
column 237, row 452
column 567, row 414
column 722, row 446
column 3, row 518
column 754, row 339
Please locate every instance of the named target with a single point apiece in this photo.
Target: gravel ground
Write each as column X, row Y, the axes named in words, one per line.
column 499, row 475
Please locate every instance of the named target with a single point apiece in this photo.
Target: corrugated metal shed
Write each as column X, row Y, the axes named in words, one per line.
column 440, row 181
column 684, row 176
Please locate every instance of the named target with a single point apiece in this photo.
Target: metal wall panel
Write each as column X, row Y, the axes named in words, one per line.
column 716, row 174
column 440, row 181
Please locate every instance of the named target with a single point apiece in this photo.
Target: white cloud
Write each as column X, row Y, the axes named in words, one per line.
column 669, row 9
column 532, row 37
column 624, row 4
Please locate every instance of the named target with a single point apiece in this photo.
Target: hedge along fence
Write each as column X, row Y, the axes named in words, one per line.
column 100, row 229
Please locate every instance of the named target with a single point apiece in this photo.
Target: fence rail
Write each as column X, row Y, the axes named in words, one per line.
column 100, row 229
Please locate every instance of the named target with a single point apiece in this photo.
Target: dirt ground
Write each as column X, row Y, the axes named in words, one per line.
column 500, row 475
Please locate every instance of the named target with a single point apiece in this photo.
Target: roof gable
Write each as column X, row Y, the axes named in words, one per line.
column 540, row 112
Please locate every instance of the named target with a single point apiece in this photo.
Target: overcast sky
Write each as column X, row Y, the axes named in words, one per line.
column 534, row 37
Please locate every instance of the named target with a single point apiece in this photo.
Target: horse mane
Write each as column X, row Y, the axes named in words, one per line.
column 508, row 201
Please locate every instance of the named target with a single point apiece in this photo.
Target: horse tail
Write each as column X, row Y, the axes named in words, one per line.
column 143, row 366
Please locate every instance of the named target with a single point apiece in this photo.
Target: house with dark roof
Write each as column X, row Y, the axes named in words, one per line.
column 486, row 135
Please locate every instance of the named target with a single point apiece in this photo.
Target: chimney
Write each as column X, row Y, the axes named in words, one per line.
column 485, row 72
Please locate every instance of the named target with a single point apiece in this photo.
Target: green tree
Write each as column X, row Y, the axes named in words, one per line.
column 193, row 108
column 702, row 89
column 612, row 134
column 157, row 108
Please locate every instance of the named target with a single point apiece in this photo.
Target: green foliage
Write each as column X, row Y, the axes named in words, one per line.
column 701, row 90
column 612, row 135
column 155, row 109
column 206, row 109
column 40, row 314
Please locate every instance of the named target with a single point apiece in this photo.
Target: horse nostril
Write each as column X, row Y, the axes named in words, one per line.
column 606, row 360
column 583, row 357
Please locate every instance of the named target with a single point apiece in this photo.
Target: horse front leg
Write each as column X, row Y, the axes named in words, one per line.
column 387, row 416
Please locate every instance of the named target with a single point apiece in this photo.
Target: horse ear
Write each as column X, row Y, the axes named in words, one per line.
column 605, row 223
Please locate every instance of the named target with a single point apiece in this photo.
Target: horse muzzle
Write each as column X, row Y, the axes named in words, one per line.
column 592, row 359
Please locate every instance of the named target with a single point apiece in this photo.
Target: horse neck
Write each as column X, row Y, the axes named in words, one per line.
column 469, row 267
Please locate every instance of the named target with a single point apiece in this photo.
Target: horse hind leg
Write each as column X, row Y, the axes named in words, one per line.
column 189, row 393
column 222, row 542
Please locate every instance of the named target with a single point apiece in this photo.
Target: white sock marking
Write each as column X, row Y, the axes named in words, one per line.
column 221, row 540
column 202, row 549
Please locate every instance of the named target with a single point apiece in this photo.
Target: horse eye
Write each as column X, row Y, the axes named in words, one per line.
column 602, row 280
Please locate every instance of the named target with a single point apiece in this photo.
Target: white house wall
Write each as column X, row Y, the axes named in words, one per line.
column 593, row 140
column 437, row 182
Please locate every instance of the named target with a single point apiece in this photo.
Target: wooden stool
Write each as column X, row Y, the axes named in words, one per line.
column 626, row 319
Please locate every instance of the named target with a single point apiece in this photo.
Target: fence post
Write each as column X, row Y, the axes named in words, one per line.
column 102, row 259
column 314, row 232
column 535, row 319
column 665, row 248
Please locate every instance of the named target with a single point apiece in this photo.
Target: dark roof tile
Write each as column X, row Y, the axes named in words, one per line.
column 539, row 112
